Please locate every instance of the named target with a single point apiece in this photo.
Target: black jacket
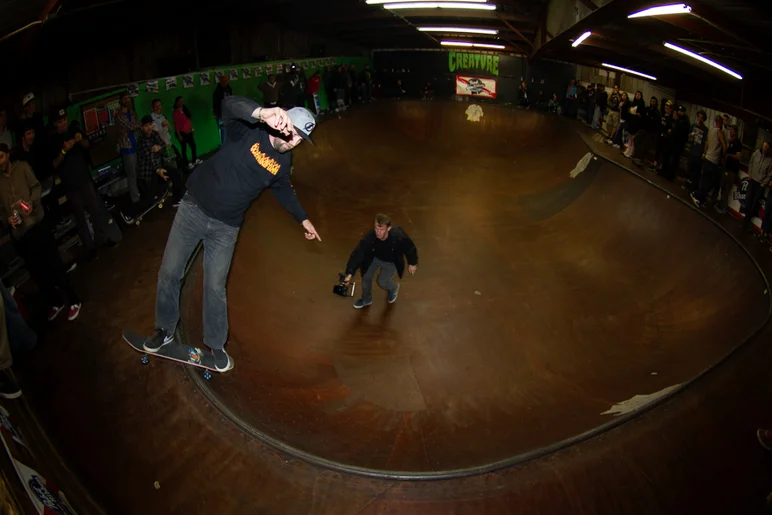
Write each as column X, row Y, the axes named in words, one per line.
column 403, row 248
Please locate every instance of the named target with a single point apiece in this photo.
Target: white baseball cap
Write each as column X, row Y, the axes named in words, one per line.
column 29, row 97
column 303, row 121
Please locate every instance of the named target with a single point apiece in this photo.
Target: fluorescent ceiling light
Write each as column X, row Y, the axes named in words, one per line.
column 632, row 72
column 440, row 5
column 663, row 9
column 704, row 60
column 581, row 39
column 459, row 30
column 468, row 44
column 379, row 2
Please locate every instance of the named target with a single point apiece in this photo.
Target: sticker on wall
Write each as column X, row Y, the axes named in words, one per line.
column 151, row 86
column 187, row 81
column 246, row 73
column 269, row 69
column 133, row 89
column 233, row 73
column 203, row 78
column 474, row 113
column 218, row 75
column 171, row 83
column 475, row 86
column 258, row 71
column 306, row 65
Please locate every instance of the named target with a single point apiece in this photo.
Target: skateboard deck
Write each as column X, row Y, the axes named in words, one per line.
column 159, row 203
column 174, row 351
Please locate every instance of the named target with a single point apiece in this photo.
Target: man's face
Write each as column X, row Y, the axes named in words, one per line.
column 125, row 101
column 719, row 122
column 286, row 143
column 147, row 128
column 765, row 148
column 61, row 125
column 652, row 102
column 668, row 109
column 271, row 79
column 382, row 231
column 700, row 118
column 726, row 120
column 29, row 107
column 224, row 80
column 733, row 133
column 157, row 108
column 616, row 89
column 4, row 159
column 29, row 137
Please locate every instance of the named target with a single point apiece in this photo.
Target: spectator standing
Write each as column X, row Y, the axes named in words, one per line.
column 22, row 213
column 270, row 91
column 127, row 121
column 221, row 91
column 696, row 149
column 183, row 129
column 734, row 153
column 760, row 173
column 715, row 147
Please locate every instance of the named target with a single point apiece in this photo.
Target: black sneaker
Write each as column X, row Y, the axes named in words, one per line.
column 158, row 340
column 8, row 388
column 222, row 361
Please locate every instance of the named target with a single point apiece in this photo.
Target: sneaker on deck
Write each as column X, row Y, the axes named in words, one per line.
column 74, row 311
column 765, row 438
column 158, row 340
column 694, row 199
column 198, row 161
column 393, row 295
column 361, row 304
column 222, row 361
column 54, row 312
column 8, row 388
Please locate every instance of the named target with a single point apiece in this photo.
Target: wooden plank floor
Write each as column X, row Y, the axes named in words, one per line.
column 122, row 426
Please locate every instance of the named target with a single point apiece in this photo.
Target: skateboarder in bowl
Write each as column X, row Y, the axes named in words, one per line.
column 255, row 156
column 383, row 248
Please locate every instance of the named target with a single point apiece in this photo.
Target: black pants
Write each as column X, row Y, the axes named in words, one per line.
column 85, row 199
column 752, row 198
column 695, row 170
column 186, row 138
column 152, row 188
column 41, row 255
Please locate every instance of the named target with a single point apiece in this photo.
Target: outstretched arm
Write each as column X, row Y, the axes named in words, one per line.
column 284, row 192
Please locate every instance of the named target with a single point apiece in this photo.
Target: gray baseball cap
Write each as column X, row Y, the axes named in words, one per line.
column 303, row 121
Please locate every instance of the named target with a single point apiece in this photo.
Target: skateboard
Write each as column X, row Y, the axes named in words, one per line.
column 174, row 351
column 159, row 202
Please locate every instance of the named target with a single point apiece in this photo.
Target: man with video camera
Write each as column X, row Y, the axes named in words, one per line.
column 386, row 248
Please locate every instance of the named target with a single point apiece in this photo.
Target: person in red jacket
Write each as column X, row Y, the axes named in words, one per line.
column 311, row 92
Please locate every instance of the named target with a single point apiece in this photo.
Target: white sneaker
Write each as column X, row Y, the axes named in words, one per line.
column 191, row 166
column 198, row 161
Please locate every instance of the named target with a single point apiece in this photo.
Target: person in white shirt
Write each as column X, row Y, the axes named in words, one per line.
column 162, row 126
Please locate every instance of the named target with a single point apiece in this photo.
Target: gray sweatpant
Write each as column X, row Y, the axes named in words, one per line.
column 385, row 278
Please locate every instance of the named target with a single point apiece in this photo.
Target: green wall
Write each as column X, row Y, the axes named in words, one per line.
column 199, row 98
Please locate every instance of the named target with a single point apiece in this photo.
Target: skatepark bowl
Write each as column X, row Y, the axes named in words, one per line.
column 545, row 309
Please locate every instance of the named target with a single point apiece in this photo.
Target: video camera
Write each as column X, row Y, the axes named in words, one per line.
column 342, row 288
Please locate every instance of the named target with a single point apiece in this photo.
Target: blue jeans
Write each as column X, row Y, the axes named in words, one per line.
column 191, row 225
column 20, row 337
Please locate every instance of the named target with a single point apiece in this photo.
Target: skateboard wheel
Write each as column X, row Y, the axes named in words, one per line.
column 145, row 359
column 207, row 375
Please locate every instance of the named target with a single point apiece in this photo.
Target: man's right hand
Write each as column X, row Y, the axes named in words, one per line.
column 15, row 220
column 68, row 145
column 347, row 279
